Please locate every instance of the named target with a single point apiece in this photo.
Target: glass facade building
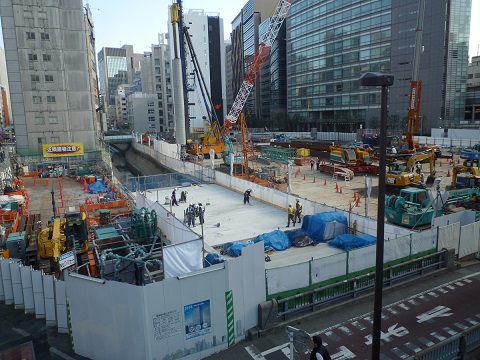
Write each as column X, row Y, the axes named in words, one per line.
column 112, row 68
column 331, row 43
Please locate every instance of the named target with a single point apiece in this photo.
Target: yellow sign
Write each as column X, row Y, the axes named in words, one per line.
column 65, row 149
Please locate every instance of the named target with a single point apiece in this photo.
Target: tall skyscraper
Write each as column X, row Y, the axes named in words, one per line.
column 116, row 66
column 5, row 113
column 46, row 55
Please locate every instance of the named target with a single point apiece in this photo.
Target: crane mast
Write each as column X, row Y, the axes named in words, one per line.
column 415, row 84
column 261, row 55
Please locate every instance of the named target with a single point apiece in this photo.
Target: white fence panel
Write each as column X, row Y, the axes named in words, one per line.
column 425, row 240
column 61, row 307
column 2, row 293
column 281, row 279
column 328, row 267
column 39, row 300
column 361, row 259
column 27, row 288
column 469, row 239
column 396, row 248
column 7, row 281
column 448, row 237
column 49, row 295
column 17, row 285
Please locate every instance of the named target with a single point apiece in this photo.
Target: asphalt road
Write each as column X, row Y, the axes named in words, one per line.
column 415, row 316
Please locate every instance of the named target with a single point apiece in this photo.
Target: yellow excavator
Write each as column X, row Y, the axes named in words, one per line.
column 61, row 237
column 470, row 180
column 213, row 139
column 408, row 172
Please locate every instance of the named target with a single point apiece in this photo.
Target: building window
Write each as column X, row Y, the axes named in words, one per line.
column 44, row 36
column 52, row 120
column 47, row 57
column 40, row 141
column 37, row 99
column 42, row 15
column 27, row 14
column 34, row 78
column 32, row 57
column 30, row 35
column 55, row 139
column 150, row 104
column 477, row 76
column 39, row 120
column 48, row 78
column 151, row 111
column 50, row 99
column 151, row 118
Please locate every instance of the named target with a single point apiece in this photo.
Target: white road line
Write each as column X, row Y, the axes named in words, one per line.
column 254, row 352
column 20, row 331
column 61, row 354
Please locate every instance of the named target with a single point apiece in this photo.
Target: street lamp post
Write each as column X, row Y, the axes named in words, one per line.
column 383, row 80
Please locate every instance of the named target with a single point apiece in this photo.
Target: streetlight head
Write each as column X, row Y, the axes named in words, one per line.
column 376, row 79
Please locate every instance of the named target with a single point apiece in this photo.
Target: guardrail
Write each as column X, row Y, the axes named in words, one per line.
column 352, row 287
column 458, row 346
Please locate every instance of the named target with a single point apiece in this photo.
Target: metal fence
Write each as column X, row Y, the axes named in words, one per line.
column 142, row 183
column 350, row 288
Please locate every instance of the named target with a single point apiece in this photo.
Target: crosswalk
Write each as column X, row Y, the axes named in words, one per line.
column 408, row 326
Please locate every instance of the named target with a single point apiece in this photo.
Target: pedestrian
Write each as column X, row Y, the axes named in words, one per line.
column 291, row 215
column 174, row 197
column 191, row 215
column 318, row 164
column 312, row 162
column 298, row 211
column 319, row 351
column 201, row 213
column 246, row 196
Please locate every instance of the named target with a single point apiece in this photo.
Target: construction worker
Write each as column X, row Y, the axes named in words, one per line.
column 419, row 168
column 298, row 212
column 200, row 212
column 174, row 197
column 246, row 196
column 312, row 162
column 191, row 215
column 183, row 196
column 291, row 215
column 318, row 164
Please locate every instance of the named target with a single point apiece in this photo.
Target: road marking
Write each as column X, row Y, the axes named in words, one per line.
column 359, row 325
column 439, row 311
column 254, row 352
column 415, row 348
column 467, row 280
column 399, row 353
column 20, row 331
column 346, row 330
column 451, row 287
column 425, row 341
column 471, row 321
column 443, row 291
column 392, row 310
column 344, row 353
column 276, row 348
column 387, row 337
column 433, row 294
column 450, row 331
column 461, row 326
column 403, row 306
column 438, row 336
column 61, row 354
column 459, row 283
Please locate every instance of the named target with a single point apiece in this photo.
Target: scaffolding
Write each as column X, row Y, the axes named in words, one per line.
column 278, row 153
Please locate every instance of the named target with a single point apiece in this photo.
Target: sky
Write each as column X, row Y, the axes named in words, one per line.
column 120, row 22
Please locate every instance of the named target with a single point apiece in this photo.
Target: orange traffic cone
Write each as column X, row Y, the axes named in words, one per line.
column 354, row 196
column 46, row 183
column 440, row 163
column 314, row 179
column 341, row 190
column 358, row 200
column 325, row 182
column 350, row 207
column 458, row 161
column 336, row 187
column 448, row 173
column 304, row 177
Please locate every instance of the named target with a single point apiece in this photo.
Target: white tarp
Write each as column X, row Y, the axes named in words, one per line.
column 448, row 237
column 397, row 248
column 469, row 239
column 182, row 258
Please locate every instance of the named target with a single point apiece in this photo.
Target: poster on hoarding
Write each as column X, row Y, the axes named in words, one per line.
column 197, row 319
column 167, row 324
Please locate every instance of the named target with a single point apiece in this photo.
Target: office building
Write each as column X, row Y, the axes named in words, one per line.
column 46, row 56
column 5, row 113
column 472, row 106
column 116, row 66
column 156, row 80
column 331, row 45
column 142, row 110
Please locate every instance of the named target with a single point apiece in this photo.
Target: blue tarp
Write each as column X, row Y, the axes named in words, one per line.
column 348, row 241
column 235, row 248
column 212, row 259
column 325, row 226
column 96, row 187
column 276, row 240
